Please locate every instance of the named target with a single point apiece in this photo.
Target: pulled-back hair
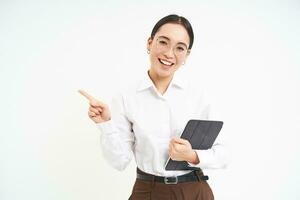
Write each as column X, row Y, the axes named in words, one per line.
column 175, row 19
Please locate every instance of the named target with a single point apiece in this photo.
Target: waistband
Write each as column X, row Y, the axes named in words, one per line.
column 196, row 175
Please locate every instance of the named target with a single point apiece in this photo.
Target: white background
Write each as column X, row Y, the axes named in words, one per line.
column 246, row 55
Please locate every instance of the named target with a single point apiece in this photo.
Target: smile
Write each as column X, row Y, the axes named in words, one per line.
column 164, row 62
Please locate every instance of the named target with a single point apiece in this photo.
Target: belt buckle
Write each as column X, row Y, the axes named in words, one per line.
column 169, row 180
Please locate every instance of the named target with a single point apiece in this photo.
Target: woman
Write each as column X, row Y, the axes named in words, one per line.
column 148, row 118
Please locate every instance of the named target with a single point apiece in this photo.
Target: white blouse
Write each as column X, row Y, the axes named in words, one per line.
column 143, row 122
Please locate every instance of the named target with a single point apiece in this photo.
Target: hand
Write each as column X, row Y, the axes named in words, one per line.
column 181, row 150
column 98, row 111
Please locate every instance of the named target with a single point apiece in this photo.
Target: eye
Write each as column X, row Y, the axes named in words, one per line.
column 162, row 42
column 180, row 49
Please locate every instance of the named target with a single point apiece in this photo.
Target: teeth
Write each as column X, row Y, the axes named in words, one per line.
column 166, row 62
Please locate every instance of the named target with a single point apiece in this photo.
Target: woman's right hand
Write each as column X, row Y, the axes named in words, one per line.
column 98, row 111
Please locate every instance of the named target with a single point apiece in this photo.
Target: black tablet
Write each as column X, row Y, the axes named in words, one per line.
column 201, row 134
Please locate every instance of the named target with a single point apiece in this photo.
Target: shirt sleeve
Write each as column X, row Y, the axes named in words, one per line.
column 117, row 138
column 217, row 156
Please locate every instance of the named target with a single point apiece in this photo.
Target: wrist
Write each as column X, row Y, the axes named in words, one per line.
column 193, row 157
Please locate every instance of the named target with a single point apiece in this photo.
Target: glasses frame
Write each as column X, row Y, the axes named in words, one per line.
column 160, row 47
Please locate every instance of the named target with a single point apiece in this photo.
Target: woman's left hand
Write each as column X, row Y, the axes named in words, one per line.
column 181, row 150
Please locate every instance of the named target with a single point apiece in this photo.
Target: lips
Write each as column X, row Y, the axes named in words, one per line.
column 165, row 62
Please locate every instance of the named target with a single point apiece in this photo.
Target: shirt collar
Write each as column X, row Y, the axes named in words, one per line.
column 177, row 80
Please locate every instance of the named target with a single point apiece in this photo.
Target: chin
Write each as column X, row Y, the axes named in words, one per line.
column 164, row 73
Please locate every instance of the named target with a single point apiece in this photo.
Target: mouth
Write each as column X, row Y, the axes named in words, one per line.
column 166, row 63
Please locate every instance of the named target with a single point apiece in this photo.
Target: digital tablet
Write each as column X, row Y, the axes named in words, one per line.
column 201, row 134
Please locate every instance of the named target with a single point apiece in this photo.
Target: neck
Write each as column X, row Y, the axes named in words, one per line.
column 161, row 83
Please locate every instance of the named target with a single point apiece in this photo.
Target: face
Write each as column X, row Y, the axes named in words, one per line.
column 168, row 49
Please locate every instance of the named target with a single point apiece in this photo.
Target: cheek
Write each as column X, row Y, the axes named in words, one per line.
column 154, row 57
column 180, row 60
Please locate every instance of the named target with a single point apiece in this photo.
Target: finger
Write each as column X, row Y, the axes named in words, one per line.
column 170, row 153
column 178, row 147
column 170, row 145
column 92, row 114
column 179, row 140
column 172, row 142
column 95, row 110
column 93, row 102
column 174, row 147
column 97, row 104
column 86, row 95
column 184, row 142
column 170, row 150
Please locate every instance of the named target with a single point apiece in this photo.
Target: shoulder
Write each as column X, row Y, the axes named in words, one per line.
column 192, row 85
column 126, row 93
column 197, row 91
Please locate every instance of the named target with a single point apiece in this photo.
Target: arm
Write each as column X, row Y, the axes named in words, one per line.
column 213, row 158
column 117, row 138
column 217, row 156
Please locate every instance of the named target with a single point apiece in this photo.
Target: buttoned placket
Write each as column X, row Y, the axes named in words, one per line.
column 170, row 121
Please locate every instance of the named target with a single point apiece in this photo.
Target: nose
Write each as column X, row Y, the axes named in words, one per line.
column 169, row 53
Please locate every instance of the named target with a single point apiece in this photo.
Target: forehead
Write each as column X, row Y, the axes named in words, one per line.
column 175, row 32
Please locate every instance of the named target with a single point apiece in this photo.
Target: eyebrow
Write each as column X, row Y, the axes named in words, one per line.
column 169, row 40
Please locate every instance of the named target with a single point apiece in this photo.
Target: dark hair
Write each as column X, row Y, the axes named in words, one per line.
column 175, row 19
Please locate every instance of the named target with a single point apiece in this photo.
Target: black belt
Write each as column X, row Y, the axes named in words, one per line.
column 192, row 176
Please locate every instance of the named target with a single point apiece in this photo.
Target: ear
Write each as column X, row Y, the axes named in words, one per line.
column 149, row 43
column 187, row 54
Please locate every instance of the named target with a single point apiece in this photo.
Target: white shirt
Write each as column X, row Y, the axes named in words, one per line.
column 143, row 122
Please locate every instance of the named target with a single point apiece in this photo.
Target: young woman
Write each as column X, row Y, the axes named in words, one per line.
column 147, row 119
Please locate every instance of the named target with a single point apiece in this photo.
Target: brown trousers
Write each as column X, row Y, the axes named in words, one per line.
column 146, row 190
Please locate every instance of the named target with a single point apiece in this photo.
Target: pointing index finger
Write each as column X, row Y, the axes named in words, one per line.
column 86, row 95
column 93, row 102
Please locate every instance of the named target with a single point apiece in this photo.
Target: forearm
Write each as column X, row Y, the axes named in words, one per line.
column 214, row 158
column 192, row 157
column 116, row 150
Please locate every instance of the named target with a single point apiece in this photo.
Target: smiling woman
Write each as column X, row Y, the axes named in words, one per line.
column 168, row 51
column 169, row 46
column 147, row 120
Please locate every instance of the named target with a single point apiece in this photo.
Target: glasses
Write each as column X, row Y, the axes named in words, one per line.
column 163, row 45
